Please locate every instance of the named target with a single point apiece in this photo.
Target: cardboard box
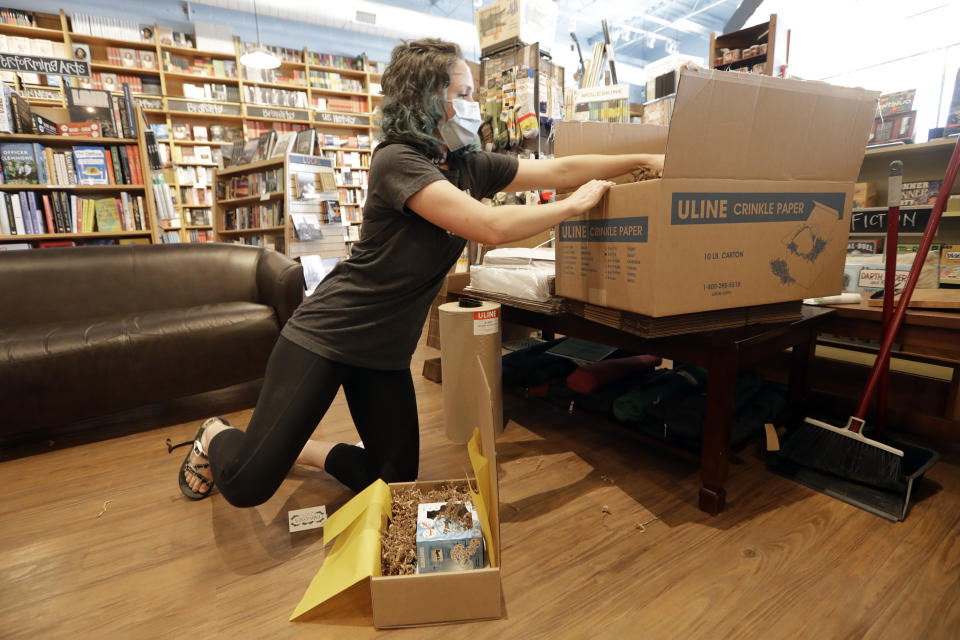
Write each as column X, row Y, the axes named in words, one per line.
column 864, row 195
column 753, row 207
column 419, row 599
column 504, row 22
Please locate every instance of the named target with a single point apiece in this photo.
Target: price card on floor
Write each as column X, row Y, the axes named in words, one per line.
column 309, row 518
column 486, row 322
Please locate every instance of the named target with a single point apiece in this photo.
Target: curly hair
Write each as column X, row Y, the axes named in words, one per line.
column 413, row 84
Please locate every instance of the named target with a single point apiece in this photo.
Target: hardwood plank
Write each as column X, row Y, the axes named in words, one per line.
column 781, row 562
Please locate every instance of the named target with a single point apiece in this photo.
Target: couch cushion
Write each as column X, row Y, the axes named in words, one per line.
column 96, row 367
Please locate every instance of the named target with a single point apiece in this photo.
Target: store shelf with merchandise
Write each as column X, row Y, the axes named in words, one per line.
column 763, row 48
column 62, row 190
column 337, row 91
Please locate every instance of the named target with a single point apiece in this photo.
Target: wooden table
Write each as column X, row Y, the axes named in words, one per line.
column 722, row 353
column 925, row 335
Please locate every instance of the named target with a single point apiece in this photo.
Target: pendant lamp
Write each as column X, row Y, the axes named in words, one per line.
column 259, row 57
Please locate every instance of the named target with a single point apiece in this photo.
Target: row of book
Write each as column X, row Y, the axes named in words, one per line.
column 285, row 54
column 351, row 213
column 256, row 128
column 31, row 163
column 254, row 217
column 351, row 177
column 198, row 196
column 269, row 144
column 255, row 94
column 351, row 196
column 250, row 184
column 193, row 176
column 200, row 66
column 32, row 213
column 200, row 235
column 132, row 58
column 216, row 91
column 339, row 62
column 348, row 159
column 115, row 82
column 18, row 17
column 104, row 27
column 295, row 77
column 197, row 133
column 360, row 141
column 335, row 82
column 346, row 104
column 85, row 108
column 22, row 45
column 199, row 217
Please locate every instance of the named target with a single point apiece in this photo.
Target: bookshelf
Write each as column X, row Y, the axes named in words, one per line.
column 339, row 95
column 763, row 48
column 283, row 203
column 58, row 206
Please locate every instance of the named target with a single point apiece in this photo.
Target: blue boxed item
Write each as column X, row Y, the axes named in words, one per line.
column 443, row 542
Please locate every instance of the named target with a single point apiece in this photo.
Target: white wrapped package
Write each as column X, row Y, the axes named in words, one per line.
column 520, row 256
column 527, row 282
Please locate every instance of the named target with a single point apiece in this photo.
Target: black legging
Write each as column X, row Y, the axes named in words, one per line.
column 298, row 387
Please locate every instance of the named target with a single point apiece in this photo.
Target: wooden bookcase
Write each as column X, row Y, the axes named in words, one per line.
column 247, row 117
column 281, row 236
column 146, row 234
column 772, row 34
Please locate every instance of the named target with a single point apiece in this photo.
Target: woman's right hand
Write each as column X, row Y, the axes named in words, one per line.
column 588, row 195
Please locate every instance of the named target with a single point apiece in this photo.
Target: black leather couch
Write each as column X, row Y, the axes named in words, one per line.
column 91, row 331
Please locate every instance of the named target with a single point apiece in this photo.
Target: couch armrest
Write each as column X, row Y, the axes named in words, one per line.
column 279, row 283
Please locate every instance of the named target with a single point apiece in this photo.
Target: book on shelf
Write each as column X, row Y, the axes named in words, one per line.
column 80, row 129
column 20, row 163
column 91, row 165
column 306, row 140
column 200, row 133
column 86, row 105
column 218, row 133
column 306, row 226
column 265, row 142
column 284, row 144
column 249, row 151
column 160, row 130
column 6, row 112
column 107, row 215
column 44, row 126
column 22, row 115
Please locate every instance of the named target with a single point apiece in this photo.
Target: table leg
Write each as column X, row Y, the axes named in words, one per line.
column 717, row 426
column 798, row 385
column 953, row 400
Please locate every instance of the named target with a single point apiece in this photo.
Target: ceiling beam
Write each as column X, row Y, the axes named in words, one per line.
column 741, row 15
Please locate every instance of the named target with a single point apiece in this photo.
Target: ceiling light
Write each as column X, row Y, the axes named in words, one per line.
column 259, row 57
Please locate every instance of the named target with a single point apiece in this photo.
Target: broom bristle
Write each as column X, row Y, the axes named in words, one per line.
column 821, row 449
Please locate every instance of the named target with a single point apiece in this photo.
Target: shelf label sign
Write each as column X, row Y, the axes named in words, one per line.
column 278, row 113
column 149, row 103
column 340, row 118
column 204, row 107
column 41, row 64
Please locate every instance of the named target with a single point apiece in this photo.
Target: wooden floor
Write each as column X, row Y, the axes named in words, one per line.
column 96, row 541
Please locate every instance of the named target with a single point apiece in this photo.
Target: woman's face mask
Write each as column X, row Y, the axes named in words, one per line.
column 460, row 130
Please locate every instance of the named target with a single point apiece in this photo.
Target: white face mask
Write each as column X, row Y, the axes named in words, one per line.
column 461, row 129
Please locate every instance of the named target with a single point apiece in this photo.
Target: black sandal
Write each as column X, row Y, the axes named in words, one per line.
column 194, row 468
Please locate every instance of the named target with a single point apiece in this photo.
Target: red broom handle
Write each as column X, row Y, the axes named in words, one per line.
column 894, row 192
column 925, row 242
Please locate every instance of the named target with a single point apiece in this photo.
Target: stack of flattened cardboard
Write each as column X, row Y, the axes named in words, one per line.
column 651, row 327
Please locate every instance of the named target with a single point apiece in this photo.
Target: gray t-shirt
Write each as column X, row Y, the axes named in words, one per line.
column 369, row 311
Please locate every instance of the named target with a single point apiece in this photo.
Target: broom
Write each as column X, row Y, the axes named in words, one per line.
column 845, row 451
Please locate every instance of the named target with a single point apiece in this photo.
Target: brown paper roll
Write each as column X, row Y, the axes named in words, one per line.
column 465, row 334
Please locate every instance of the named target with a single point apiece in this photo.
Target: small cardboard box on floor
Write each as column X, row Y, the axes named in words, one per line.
column 753, row 207
column 419, row 599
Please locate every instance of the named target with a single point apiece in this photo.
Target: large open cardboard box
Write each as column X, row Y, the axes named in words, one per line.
column 420, row 599
column 753, row 207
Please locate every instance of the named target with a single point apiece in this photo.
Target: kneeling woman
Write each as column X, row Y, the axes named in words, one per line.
column 359, row 328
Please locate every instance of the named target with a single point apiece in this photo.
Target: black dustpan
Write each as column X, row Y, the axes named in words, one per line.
column 887, row 503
